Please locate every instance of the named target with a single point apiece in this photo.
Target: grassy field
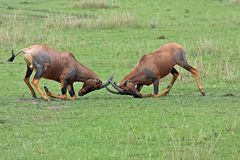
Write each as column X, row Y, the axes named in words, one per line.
column 110, row 37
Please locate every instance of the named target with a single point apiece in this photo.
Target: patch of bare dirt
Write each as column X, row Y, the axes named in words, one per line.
column 31, row 100
column 57, row 107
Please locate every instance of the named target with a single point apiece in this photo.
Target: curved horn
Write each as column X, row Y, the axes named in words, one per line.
column 116, row 87
column 111, row 91
column 107, row 83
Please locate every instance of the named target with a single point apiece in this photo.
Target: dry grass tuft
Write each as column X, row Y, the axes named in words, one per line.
column 154, row 23
column 215, row 59
column 205, row 46
column 235, row 1
column 124, row 20
column 96, row 4
column 11, row 30
column 102, row 21
column 70, row 21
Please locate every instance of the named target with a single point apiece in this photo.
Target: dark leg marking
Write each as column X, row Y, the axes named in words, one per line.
column 187, row 67
column 71, row 91
column 64, row 87
column 156, row 86
column 139, row 87
column 174, row 71
column 28, row 72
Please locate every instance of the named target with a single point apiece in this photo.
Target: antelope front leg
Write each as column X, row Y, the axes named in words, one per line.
column 139, row 87
column 175, row 74
column 63, row 89
column 50, row 94
column 136, row 93
column 71, row 91
column 164, row 93
column 156, row 89
column 147, row 95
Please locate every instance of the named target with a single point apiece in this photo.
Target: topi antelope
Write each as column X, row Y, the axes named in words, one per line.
column 151, row 68
column 61, row 67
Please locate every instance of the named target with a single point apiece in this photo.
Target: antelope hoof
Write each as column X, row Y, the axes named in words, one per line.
column 34, row 95
column 46, row 99
column 203, row 93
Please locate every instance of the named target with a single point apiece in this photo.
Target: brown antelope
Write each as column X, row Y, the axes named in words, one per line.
column 151, row 68
column 61, row 67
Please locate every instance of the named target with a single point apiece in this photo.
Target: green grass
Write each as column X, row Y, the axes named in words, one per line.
column 110, row 37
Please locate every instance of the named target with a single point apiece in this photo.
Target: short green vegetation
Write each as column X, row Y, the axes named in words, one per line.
column 110, row 36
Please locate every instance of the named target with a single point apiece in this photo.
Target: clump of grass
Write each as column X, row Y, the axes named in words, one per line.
column 152, row 24
column 205, row 46
column 215, row 59
column 95, row 4
column 201, row 50
column 227, row 69
column 124, row 20
column 235, row 1
column 11, row 30
column 101, row 21
column 69, row 21
column 230, row 1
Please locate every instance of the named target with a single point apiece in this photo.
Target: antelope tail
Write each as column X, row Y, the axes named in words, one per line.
column 13, row 56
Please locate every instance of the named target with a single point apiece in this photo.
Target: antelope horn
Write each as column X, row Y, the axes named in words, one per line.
column 116, row 87
column 107, row 83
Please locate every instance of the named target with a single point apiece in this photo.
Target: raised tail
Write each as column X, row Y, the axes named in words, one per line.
column 13, row 56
